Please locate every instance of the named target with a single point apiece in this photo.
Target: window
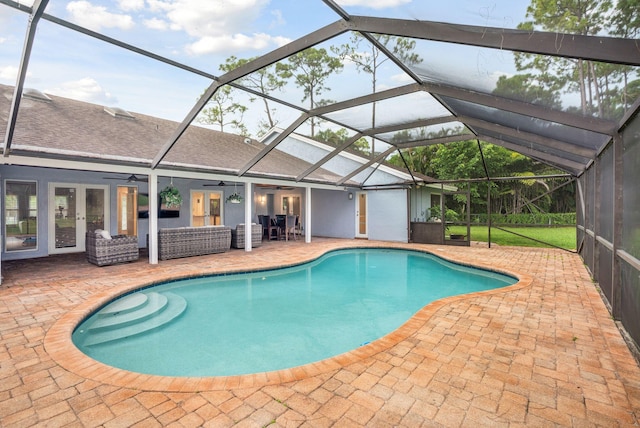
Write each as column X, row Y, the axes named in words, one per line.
column 21, row 215
column 127, row 210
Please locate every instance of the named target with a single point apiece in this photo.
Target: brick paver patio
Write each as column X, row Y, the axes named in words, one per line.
column 544, row 352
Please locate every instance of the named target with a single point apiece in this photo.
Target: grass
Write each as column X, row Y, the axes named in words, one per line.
column 563, row 237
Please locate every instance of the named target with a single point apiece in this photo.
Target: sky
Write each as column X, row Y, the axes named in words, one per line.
column 202, row 34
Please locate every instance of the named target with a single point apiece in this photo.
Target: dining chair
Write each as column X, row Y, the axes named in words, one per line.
column 290, row 226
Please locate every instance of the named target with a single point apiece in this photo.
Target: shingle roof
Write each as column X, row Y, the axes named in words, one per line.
column 79, row 130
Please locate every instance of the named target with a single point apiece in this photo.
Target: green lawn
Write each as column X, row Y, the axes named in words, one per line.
column 564, row 237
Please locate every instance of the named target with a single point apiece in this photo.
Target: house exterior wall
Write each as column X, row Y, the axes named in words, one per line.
column 334, row 214
column 233, row 213
column 388, row 215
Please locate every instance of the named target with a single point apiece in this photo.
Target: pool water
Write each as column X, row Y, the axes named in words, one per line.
column 271, row 320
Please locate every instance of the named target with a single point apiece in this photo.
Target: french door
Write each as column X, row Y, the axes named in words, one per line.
column 362, row 229
column 206, row 208
column 73, row 210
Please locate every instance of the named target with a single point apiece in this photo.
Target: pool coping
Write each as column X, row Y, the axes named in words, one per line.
column 58, row 343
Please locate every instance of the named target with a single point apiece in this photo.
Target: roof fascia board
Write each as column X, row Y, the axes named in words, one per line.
column 606, row 127
column 366, row 165
column 595, row 48
column 274, row 56
column 537, row 139
column 272, row 145
column 36, row 13
column 565, row 164
column 119, row 168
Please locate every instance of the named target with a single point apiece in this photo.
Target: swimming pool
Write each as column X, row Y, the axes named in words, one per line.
column 263, row 321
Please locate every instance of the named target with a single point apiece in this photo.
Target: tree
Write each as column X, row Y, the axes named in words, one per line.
column 371, row 58
column 222, row 110
column 336, row 138
column 265, row 81
column 524, row 87
column 310, row 70
column 584, row 17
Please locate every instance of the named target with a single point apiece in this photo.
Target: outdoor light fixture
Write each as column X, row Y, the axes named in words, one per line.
column 350, row 196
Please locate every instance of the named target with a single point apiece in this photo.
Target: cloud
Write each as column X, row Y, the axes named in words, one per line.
column 3, row 39
column 278, row 19
column 87, row 89
column 156, row 24
column 131, row 4
column 373, row 4
column 9, row 73
column 234, row 43
column 97, row 17
column 216, row 27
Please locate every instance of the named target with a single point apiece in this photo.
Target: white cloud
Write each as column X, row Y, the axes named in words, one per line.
column 96, row 17
column 87, row 89
column 9, row 73
column 131, row 4
column 3, row 39
column 278, row 19
column 373, row 4
column 156, row 24
column 217, row 27
column 234, row 43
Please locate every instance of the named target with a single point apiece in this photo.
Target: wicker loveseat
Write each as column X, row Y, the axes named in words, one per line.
column 103, row 251
column 237, row 236
column 179, row 242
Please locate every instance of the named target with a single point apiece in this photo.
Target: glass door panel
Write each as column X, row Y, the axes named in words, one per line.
column 95, row 209
column 127, row 209
column 361, row 216
column 197, row 209
column 215, row 213
column 65, row 217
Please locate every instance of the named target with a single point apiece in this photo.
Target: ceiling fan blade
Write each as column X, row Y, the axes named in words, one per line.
column 130, row 179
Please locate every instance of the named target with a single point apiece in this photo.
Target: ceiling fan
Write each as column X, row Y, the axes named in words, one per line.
column 130, row 179
column 220, row 184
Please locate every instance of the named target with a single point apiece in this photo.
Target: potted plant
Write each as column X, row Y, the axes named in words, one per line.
column 234, row 198
column 170, row 197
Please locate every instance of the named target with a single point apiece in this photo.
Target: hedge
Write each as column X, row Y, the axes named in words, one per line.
column 552, row 219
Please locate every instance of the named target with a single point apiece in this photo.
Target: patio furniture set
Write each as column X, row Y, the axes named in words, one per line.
column 177, row 242
column 280, row 227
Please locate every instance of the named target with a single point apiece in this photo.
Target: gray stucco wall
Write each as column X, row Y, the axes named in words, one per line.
column 388, row 215
column 334, row 215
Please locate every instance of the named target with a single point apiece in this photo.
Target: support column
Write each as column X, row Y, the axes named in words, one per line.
column 153, row 218
column 307, row 215
column 248, row 208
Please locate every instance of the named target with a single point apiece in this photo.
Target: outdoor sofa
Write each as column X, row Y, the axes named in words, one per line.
column 237, row 236
column 179, row 242
column 102, row 249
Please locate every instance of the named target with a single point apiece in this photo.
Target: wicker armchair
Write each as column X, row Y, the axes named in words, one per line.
column 237, row 236
column 118, row 249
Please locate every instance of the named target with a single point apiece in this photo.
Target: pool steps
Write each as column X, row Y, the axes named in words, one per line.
column 133, row 314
